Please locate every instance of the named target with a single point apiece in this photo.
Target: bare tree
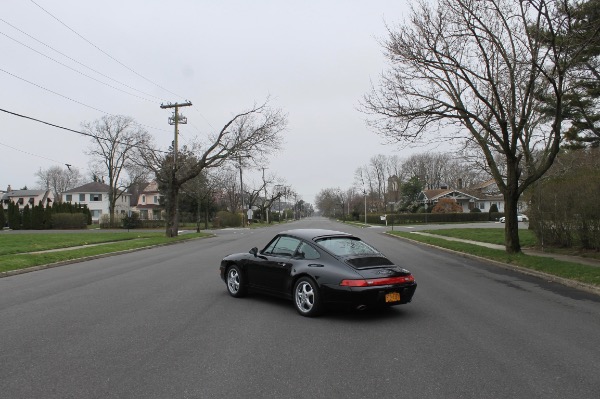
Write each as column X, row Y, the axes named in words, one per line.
column 477, row 69
column 229, row 187
column 137, row 181
column 202, row 189
column 58, row 179
column 252, row 134
column 115, row 139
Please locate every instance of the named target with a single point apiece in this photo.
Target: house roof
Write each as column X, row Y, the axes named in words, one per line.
column 485, row 184
column 152, row 187
column 24, row 193
column 93, row 187
column 432, row 195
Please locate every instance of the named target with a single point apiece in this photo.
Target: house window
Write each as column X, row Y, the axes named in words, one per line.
column 482, row 206
column 96, row 213
column 20, row 201
column 81, row 197
column 143, row 199
column 95, row 197
column 144, row 214
column 156, row 199
column 69, row 197
column 31, row 200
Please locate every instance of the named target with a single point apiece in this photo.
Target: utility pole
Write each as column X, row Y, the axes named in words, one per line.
column 265, row 201
column 175, row 120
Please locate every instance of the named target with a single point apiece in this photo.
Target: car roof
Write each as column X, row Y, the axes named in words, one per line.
column 312, row 234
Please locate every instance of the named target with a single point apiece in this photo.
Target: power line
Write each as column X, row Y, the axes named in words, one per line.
column 104, row 52
column 35, row 155
column 77, row 62
column 80, row 132
column 70, row 99
column 53, row 92
column 73, row 69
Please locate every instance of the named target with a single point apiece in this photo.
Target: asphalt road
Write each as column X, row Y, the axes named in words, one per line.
column 159, row 324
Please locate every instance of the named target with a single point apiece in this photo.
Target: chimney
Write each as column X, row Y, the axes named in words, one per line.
column 9, row 188
column 459, row 184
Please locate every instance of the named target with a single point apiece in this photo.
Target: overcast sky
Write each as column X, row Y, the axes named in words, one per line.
column 315, row 59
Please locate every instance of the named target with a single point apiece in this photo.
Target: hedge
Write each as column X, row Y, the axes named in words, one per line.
column 69, row 221
column 416, row 218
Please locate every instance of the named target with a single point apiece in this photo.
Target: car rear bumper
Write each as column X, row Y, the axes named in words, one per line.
column 366, row 296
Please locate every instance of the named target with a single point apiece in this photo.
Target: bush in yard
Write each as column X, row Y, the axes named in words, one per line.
column 447, row 205
column 228, row 219
column 26, row 218
column 14, row 216
column 564, row 207
column 131, row 222
column 37, row 217
column 2, row 218
column 69, row 221
column 475, row 210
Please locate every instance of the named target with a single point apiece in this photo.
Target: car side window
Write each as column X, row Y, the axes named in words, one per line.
column 305, row 251
column 284, row 246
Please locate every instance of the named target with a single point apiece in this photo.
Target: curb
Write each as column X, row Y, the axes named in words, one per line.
column 92, row 257
column 591, row 289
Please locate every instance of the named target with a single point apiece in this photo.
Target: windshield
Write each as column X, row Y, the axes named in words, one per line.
column 345, row 246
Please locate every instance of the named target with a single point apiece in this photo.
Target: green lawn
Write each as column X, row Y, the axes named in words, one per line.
column 568, row 270
column 491, row 236
column 15, row 249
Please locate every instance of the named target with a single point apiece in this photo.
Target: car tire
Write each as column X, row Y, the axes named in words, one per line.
column 307, row 298
column 235, row 282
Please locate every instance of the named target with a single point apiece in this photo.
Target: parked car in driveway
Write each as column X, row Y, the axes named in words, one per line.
column 317, row 269
column 520, row 218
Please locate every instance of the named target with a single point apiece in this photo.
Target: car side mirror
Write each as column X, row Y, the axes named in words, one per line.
column 254, row 251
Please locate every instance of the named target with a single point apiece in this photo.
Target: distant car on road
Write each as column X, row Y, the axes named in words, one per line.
column 317, row 269
column 520, row 218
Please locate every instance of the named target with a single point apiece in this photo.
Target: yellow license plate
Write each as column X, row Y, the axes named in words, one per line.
column 392, row 297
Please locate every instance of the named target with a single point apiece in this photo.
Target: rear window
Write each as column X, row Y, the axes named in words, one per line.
column 346, row 246
column 369, row 261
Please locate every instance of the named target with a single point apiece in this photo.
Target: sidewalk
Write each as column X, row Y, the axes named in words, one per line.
column 532, row 252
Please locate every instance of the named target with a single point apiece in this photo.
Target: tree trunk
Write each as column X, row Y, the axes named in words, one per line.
column 206, row 218
column 171, row 208
column 511, row 200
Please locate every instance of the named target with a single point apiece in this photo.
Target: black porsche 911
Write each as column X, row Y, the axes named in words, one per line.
column 317, row 269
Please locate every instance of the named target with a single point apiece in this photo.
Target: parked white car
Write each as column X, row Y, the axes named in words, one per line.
column 520, row 218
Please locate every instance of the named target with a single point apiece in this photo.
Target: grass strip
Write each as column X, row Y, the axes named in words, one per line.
column 32, row 242
column 492, row 236
column 22, row 259
column 574, row 271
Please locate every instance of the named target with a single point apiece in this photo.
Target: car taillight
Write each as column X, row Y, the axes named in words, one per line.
column 372, row 282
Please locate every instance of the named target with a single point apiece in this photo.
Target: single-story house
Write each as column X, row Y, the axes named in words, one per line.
column 481, row 196
column 466, row 200
column 95, row 196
